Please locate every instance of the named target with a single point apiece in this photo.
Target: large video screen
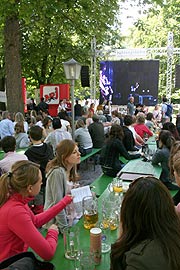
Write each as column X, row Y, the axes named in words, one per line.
column 119, row 80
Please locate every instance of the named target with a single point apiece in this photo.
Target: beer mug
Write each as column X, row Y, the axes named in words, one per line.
column 111, row 212
column 71, row 242
column 117, row 185
column 90, row 211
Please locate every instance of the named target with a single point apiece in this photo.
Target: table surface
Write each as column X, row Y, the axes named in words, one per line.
column 61, row 263
column 141, row 167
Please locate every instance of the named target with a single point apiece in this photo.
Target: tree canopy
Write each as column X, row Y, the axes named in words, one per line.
column 51, row 32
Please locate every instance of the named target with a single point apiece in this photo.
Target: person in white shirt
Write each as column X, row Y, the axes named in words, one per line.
column 57, row 135
column 8, row 145
column 6, row 125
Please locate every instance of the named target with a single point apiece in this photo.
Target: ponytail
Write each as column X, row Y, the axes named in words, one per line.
column 5, row 188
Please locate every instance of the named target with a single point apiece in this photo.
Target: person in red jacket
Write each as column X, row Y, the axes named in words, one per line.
column 19, row 226
column 141, row 129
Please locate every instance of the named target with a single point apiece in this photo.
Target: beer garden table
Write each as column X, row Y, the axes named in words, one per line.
column 61, row 263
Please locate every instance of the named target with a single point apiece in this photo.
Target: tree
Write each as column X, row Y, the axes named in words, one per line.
column 43, row 34
column 151, row 31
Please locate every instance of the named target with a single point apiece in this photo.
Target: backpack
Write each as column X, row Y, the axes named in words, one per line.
column 169, row 110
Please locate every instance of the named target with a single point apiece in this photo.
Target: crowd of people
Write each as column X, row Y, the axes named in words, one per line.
column 38, row 183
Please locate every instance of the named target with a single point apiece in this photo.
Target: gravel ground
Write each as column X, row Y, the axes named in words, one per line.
column 87, row 173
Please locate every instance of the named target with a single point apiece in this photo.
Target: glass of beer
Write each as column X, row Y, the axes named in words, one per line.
column 117, row 185
column 90, row 211
column 110, row 212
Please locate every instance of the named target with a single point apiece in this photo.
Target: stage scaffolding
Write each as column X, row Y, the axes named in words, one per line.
column 137, row 53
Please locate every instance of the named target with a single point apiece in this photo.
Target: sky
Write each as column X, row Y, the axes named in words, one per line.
column 130, row 11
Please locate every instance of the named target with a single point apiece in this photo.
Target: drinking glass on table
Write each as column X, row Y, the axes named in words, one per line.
column 110, row 212
column 85, row 260
column 90, row 211
column 71, row 242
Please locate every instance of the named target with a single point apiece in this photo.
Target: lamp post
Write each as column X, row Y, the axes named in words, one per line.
column 72, row 71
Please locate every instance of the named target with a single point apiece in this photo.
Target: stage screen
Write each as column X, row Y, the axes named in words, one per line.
column 121, row 79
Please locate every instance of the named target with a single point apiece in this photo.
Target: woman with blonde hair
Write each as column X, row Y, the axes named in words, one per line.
column 19, row 118
column 61, row 178
column 19, row 226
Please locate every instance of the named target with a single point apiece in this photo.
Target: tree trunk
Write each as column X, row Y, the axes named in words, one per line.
column 13, row 65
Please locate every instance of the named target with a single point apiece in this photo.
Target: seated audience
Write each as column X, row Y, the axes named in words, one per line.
column 83, row 138
column 96, row 130
column 176, row 168
column 57, row 135
column 19, row 226
column 142, row 130
column 115, row 118
column 150, row 229
column 172, row 128
column 150, row 123
column 46, row 125
column 40, row 153
column 178, row 123
column 19, row 118
column 128, row 139
column 138, row 140
column 65, row 121
column 174, row 149
column 102, row 117
column 6, row 125
column 112, row 150
column 8, row 145
column 162, row 155
column 61, row 178
column 88, row 119
column 157, row 115
column 22, row 139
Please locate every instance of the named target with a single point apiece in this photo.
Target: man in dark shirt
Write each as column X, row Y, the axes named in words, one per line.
column 77, row 110
column 128, row 139
column 42, row 106
column 39, row 153
column 96, row 130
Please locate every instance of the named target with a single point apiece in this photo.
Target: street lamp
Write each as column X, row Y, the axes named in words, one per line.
column 72, row 71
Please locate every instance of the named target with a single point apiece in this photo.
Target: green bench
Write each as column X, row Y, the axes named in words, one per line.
column 19, row 151
column 92, row 154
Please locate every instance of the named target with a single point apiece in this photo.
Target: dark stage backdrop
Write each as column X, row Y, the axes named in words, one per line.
column 121, row 79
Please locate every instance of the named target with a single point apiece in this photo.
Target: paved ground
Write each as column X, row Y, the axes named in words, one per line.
column 87, row 173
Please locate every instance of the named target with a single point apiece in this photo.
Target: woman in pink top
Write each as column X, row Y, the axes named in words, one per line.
column 142, row 130
column 19, row 226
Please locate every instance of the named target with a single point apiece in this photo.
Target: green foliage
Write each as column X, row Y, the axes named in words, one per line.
column 54, row 31
column 151, row 31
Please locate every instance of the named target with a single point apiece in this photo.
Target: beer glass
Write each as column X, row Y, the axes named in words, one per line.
column 110, row 212
column 90, row 211
column 71, row 242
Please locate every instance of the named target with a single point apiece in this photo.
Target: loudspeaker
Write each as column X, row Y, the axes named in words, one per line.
column 85, row 76
column 177, row 77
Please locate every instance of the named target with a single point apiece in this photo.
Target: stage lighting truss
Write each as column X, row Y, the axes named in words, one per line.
column 136, row 53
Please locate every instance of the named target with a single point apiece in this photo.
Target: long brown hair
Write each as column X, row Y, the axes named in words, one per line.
column 174, row 149
column 63, row 150
column 23, row 173
column 116, row 131
column 148, row 212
